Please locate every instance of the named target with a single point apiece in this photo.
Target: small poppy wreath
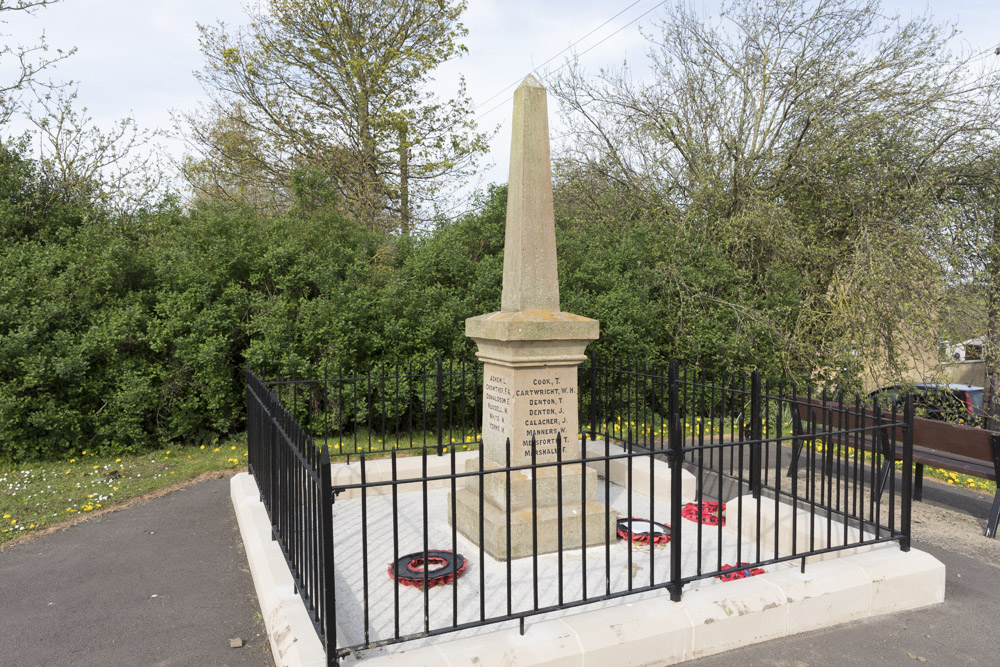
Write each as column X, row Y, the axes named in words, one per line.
column 739, row 574
column 709, row 513
column 643, row 531
column 442, row 567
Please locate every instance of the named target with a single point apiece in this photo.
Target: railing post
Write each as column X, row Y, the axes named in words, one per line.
column 326, row 534
column 756, row 433
column 907, row 490
column 440, row 407
column 676, row 458
column 593, row 395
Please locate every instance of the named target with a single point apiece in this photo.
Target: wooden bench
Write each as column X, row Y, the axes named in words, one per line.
column 962, row 449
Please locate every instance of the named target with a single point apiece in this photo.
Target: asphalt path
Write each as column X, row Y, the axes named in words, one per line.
column 165, row 582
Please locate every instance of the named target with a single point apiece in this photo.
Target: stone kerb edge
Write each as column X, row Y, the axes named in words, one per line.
column 294, row 642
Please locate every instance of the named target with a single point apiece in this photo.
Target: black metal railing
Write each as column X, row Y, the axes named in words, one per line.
column 809, row 475
column 406, row 408
column 293, row 476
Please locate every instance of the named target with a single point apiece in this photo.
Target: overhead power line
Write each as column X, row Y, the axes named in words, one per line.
column 585, row 51
column 514, row 83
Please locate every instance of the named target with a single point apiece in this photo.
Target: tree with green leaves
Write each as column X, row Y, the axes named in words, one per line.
column 338, row 86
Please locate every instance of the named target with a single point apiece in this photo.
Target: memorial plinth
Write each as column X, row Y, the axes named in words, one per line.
column 531, row 351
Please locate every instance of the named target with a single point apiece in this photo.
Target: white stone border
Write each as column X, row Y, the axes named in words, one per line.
column 294, row 642
column 708, row 620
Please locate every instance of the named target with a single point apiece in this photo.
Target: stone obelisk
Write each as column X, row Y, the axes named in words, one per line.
column 530, row 351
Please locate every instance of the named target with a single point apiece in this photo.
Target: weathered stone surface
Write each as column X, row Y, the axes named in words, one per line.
column 545, row 486
column 600, row 523
column 525, row 405
column 530, row 278
column 533, row 325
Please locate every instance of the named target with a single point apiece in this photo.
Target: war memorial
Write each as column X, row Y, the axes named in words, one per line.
column 670, row 517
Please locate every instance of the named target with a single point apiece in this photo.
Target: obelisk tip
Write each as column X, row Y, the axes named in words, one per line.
column 530, row 80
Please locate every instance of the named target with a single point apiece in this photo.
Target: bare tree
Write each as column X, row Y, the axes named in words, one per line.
column 25, row 61
column 116, row 169
column 812, row 136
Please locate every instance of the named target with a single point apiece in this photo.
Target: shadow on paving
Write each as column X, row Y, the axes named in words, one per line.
column 162, row 583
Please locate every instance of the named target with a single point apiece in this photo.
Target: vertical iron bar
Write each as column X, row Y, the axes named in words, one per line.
column 440, row 398
column 583, row 513
column 454, row 540
column 559, row 512
column 482, row 570
column 329, row 613
column 534, row 519
column 755, row 435
column 628, row 497
column 395, row 543
column 364, row 544
column 907, row 500
column 677, row 457
column 593, row 403
column 507, row 511
column 426, row 589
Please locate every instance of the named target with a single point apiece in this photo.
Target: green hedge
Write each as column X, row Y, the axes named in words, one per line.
column 120, row 337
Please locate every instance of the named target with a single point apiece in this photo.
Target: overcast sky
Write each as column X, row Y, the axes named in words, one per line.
column 137, row 56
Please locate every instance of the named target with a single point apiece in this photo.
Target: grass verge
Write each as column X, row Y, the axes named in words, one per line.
column 35, row 497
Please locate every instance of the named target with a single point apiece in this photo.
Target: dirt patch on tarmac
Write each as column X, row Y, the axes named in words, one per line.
column 949, row 517
column 955, row 530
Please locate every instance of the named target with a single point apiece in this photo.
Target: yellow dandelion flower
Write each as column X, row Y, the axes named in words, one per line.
column 6, row 516
column 96, row 467
column 31, row 526
column 13, row 522
column 202, row 447
column 84, row 452
column 72, row 460
column 118, row 460
column 216, row 449
column 234, row 446
column 67, row 472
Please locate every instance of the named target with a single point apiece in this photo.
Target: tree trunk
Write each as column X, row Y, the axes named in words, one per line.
column 404, row 184
column 991, row 339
